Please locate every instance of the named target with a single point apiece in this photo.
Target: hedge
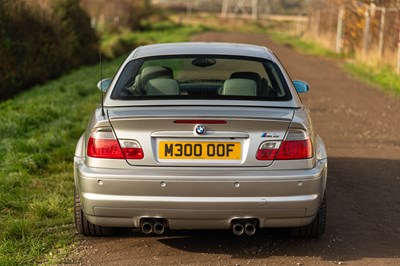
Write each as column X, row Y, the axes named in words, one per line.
column 41, row 40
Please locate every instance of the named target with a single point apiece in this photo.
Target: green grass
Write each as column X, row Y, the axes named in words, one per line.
column 380, row 76
column 39, row 130
column 384, row 76
column 277, row 31
column 160, row 32
column 303, row 46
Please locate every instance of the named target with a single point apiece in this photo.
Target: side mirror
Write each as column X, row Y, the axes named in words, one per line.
column 301, row 86
column 104, row 84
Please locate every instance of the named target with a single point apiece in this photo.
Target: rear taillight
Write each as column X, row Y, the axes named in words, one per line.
column 294, row 149
column 296, row 145
column 267, row 150
column 103, row 144
column 132, row 149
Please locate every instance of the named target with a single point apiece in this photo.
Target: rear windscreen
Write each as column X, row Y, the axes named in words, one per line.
column 201, row 77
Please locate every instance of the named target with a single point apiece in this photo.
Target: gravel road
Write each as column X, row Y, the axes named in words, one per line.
column 360, row 126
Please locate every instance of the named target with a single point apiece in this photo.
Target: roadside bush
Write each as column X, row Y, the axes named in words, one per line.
column 40, row 40
column 114, row 16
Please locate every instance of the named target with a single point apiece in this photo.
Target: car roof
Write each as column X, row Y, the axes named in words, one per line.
column 199, row 48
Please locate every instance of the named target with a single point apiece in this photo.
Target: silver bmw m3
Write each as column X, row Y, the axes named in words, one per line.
column 200, row 136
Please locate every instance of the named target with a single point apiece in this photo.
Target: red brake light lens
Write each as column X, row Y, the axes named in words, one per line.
column 297, row 145
column 132, row 149
column 103, row 144
column 267, row 151
column 294, row 149
column 104, row 148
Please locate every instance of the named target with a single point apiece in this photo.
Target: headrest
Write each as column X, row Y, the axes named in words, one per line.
column 239, row 87
column 162, row 86
column 152, row 72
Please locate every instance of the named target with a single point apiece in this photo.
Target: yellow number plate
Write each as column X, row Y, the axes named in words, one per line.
column 199, row 150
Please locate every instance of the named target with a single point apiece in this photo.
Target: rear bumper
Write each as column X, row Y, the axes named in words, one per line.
column 200, row 198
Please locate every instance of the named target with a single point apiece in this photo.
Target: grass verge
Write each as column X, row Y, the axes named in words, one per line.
column 114, row 44
column 39, row 130
column 383, row 76
column 303, row 46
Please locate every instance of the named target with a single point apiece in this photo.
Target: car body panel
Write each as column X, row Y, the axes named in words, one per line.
column 216, row 48
column 193, row 193
column 247, row 126
column 218, row 195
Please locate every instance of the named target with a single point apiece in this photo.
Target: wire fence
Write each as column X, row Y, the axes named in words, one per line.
column 368, row 31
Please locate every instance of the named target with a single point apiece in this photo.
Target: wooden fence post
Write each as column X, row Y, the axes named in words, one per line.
column 224, row 11
column 366, row 31
column 317, row 22
column 382, row 32
column 340, row 30
column 298, row 25
column 254, row 10
column 189, row 7
column 398, row 54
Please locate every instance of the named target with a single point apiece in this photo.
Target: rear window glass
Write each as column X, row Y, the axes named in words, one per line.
column 201, row 77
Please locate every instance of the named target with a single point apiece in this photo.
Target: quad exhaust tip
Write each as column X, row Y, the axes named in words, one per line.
column 158, row 228
column 250, row 229
column 151, row 225
column 147, row 228
column 238, row 229
column 247, row 226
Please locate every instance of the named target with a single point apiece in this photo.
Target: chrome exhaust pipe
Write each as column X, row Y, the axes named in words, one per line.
column 158, row 228
column 250, row 229
column 238, row 229
column 147, row 228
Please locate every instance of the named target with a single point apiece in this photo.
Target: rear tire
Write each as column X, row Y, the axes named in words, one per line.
column 314, row 229
column 86, row 228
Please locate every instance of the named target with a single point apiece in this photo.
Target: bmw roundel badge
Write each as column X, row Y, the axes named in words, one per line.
column 200, row 130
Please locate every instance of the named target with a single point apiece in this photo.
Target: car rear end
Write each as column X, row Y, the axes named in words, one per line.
column 200, row 153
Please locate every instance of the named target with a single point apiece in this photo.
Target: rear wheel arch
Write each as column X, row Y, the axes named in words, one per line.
column 80, row 147
column 320, row 149
column 322, row 157
column 316, row 228
column 82, row 224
